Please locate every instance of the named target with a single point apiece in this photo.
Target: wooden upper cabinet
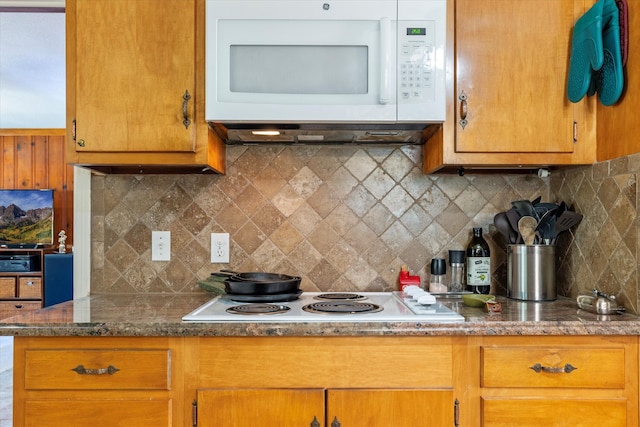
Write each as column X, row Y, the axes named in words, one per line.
column 136, row 84
column 135, row 62
column 508, row 102
column 618, row 125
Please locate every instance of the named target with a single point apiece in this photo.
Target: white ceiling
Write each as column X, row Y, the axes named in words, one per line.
column 32, row 68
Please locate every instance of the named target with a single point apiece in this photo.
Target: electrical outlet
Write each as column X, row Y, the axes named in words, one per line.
column 160, row 246
column 219, row 248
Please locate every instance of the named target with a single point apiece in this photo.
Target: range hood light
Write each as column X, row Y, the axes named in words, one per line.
column 266, row 132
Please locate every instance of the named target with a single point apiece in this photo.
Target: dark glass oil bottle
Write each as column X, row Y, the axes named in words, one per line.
column 478, row 264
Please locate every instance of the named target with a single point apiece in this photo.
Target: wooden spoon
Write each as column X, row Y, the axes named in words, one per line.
column 527, row 228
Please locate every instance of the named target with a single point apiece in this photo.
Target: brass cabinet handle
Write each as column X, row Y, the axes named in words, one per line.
column 335, row 422
column 566, row 369
column 463, row 109
column 81, row 142
column 456, row 413
column 81, row 370
column 185, row 109
column 315, row 422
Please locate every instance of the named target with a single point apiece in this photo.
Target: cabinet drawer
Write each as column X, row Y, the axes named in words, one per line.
column 30, row 287
column 548, row 412
column 13, row 308
column 97, row 413
column 570, row 367
column 7, row 287
column 97, row 369
column 308, row 362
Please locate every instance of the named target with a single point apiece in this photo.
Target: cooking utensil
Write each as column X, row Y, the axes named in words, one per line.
column 502, row 224
column 546, row 225
column 525, row 208
column 527, row 227
column 514, row 217
column 567, row 220
column 255, row 276
column 246, row 287
column 282, row 297
column 258, row 283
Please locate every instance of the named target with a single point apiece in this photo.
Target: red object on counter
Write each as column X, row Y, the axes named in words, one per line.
column 407, row 280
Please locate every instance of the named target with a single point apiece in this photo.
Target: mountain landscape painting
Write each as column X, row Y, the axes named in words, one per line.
column 26, row 217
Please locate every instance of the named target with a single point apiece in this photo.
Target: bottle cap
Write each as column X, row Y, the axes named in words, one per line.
column 438, row 266
column 456, row 257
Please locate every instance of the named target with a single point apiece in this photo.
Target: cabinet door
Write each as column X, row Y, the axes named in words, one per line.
column 301, row 407
column 511, row 65
column 260, row 407
column 383, row 408
column 134, row 62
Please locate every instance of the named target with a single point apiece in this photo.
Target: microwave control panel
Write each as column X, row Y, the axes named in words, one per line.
column 416, row 61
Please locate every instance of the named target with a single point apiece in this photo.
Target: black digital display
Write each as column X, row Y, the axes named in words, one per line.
column 416, row 31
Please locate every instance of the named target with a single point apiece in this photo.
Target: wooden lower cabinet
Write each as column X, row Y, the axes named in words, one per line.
column 558, row 381
column 323, row 382
column 98, row 382
column 465, row 381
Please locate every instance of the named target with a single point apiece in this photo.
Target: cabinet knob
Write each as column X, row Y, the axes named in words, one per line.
column 81, row 143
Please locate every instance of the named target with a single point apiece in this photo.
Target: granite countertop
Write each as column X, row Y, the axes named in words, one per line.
column 160, row 315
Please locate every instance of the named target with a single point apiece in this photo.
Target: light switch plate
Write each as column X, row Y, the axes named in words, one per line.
column 160, row 246
column 219, row 248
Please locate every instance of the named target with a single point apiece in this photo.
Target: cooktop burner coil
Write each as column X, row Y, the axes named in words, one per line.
column 253, row 309
column 340, row 296
column 341, row 307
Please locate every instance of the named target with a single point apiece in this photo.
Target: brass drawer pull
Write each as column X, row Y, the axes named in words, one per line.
column 185, row 109
column 81, row 370
column 566, row 369
column 463, row 110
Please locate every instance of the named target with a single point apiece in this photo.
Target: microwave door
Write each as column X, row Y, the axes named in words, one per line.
column 302, row 70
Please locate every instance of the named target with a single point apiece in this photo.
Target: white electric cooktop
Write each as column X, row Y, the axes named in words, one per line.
column 388, row 306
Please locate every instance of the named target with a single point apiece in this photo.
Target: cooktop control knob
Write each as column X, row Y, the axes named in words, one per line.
column 427, row 299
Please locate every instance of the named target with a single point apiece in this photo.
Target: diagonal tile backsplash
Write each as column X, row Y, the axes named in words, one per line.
column 342, row 217
column 603, row 251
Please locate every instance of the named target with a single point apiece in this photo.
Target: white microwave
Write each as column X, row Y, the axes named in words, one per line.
column 332, row 61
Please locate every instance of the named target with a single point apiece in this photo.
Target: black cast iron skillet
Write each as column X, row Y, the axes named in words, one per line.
column 257, row 283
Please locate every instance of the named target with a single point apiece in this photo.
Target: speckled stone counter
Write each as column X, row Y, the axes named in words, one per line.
column 160, row 315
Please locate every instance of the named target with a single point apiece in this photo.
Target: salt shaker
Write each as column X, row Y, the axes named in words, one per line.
column 438, row 274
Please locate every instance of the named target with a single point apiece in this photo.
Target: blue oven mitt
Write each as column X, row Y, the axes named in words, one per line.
column 609, row 79
column 587, row 53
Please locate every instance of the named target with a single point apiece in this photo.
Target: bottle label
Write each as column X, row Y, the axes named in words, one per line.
column 478, row 271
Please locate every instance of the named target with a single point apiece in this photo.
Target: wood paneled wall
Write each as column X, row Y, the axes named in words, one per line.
column 35, row 158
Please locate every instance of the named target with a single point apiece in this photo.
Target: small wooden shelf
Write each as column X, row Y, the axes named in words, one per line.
column 22, row 291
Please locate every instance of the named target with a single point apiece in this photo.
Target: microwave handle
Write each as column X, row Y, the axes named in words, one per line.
column 385, row 49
